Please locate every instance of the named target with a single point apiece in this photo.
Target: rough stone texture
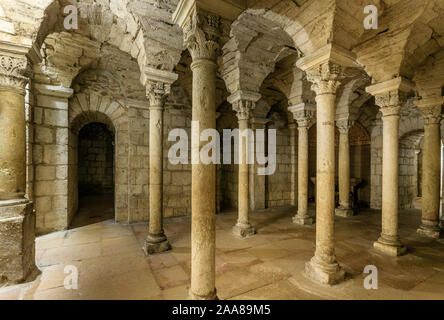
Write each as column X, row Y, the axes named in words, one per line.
column 17, row 247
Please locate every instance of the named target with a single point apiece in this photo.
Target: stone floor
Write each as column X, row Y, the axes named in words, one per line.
column 267, row 266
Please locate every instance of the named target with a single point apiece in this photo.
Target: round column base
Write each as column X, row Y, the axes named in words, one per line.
column 392, row 247
column 211, row 296
column 325, row 273
column 303, row 220
column 243, row 230
column 156, row 244
column 434, row 232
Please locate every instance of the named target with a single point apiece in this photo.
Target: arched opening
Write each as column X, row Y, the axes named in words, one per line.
column 95, row 174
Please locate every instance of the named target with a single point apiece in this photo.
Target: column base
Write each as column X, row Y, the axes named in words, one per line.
column 344, row 212
column 303, row 220
column 212, row 296
column 324, row 273
column 391, row 247
column 17, row 242
column 156, row 244
column 430, row 231
column 243, row 230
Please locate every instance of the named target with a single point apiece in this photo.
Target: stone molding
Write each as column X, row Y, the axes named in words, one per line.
column 54, row 91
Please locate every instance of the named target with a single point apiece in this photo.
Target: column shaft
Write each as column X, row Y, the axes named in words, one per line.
column 389, row 242
column 431, row 173
column 325, row 177
column 203, row 191
column 156, row 241
column 344, row 209
column 243, row 227
column 13, row 143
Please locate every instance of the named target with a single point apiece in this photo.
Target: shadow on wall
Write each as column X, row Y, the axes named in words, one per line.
column 96, row 160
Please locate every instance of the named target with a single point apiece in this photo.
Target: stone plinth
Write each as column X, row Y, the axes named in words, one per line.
column 17, row 246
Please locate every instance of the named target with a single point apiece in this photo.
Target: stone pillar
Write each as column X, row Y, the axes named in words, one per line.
column 390, row 96
column 344, row 209
column 303, row 114
column 54, row 197
column 431, row 170
column 243, row 103
column 257, row 182
column 158, row 84
column 17, row 217
column 201, row 31
column 324, row 69
column 293, row 162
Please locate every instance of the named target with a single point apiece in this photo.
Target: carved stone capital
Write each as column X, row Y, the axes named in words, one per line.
column 390, row 103
column 157, row 93
column 202, row 32
column 432, row 114
column 391, row 95
column 431, row 109
column 158, row 85
column 344, row 126
column 243, row 103
column 244, row 109
column 325, row 78
column 14, row 71
column 303, row 114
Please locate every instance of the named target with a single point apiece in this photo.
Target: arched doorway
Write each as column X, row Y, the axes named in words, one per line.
column 95, row 175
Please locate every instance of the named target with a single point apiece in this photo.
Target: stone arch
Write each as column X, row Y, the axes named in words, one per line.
column 89, row 107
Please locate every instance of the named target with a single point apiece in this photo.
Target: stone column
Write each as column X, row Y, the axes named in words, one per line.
column 324, row 70
column 17, row 218
column 344, row 209
column 431, row 170
column 390, row 96
column 158, row 84
column 201, row 31
column 243, row 103
column 257, row 182
column 304, row 116
column 293, row 162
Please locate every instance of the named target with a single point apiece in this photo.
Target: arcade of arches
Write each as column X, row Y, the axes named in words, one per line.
column 85, row 117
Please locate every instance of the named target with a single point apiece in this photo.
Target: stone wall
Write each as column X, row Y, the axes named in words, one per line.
column 50, row 157
column 96, row 160
column 278, row 185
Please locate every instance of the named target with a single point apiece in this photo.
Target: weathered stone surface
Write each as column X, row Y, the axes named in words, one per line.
column 17, row 247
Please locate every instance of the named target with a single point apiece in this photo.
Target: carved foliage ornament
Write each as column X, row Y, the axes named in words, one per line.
column 431, row 115
column 344, row 126
column 14, row 71
column 391, row 102
column 243, row 109
column 304, row 118
column 325, row 78
column 157, row 93
column 202, row 33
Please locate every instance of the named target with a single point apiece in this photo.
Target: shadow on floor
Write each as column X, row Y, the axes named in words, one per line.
column 93, row 209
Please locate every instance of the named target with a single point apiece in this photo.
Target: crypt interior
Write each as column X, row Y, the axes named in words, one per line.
column 86, row 182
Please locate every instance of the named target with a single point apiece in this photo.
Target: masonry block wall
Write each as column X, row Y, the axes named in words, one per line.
column 50, row 155
column 96, row 160
column 278, row 185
